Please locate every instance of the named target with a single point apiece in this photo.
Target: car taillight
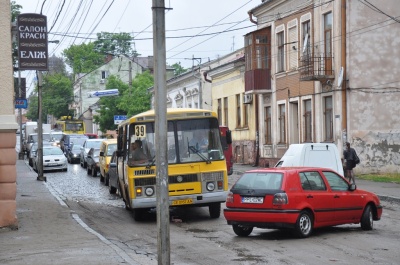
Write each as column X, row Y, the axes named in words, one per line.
column 229, row 198
column 280, row 199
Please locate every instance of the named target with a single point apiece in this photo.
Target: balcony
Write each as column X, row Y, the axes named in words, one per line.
column 258, row 81
column 316, row 68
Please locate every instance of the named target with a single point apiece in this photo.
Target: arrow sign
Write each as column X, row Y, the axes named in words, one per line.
column 104, row 93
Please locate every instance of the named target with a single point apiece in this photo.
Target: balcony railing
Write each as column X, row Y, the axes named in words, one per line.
column 316, row 67
column 258, row 80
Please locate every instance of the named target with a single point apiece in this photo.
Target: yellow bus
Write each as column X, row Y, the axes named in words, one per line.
column 70, row 126
column 197, row 173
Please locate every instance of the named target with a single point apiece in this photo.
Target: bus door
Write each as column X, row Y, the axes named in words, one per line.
column 226, row 141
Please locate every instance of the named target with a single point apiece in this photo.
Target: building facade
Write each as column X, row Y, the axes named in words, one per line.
column 8, row 124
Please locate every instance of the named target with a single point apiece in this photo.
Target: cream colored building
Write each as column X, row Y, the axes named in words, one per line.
column 8, row 124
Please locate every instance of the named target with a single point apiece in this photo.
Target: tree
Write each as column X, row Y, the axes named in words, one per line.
column 178, row 69
column 109, row 105
column 137, row 99
column 56, row 95
column 83, row 58
column 115, row 44
column 57, row 65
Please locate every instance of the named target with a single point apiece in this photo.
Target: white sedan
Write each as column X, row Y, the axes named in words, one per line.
column 53, row 159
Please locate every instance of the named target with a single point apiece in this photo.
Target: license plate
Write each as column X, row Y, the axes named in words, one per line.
column 182, row 202
column 252, row 199
column 52, row 164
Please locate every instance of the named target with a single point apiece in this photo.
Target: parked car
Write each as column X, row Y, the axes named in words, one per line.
column 53, row 159
column 92, row 135
column 107, row 148
column 300, row 198
column 89, row 143
column 68, row 139
column 33, row 138
column 93, row 166
column 32, row 153
column 113, row 185
column 74, row 153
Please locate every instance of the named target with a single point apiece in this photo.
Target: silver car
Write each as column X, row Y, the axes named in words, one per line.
column 53, row 159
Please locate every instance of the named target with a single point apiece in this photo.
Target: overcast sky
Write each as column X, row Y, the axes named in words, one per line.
column 79, row 21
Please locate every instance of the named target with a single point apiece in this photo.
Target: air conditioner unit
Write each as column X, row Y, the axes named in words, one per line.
column 102, row 81
column 247, row 98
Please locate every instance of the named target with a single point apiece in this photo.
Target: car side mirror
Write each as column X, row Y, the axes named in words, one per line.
column 352, row 187
column 101, row 153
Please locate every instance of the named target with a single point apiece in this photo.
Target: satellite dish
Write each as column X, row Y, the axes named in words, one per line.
column 340, row 78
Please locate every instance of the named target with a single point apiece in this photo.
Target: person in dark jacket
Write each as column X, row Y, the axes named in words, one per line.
column 350, row 156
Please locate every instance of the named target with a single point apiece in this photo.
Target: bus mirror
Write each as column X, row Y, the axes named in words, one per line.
column 119, row 153
column 228, row 137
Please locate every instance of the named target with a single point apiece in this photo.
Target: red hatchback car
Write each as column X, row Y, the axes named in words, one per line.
column 300, row 198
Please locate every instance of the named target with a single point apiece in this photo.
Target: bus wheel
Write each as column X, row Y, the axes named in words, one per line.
column 215, row 210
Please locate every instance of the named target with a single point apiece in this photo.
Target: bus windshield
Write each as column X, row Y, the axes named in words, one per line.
column 194, row 140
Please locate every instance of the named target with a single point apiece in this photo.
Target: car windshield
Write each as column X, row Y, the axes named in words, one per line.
column 56, row 136
column 259, row 180
column 78, row 141
column 96, row 153
column 93, row 144
column 111, row 148
column 76, row 147
column 52, row 151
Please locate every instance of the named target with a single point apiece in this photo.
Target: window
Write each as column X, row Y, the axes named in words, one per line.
column 335, row 181
column 328, row 43
column 248, row 50
column 281, row 52
column 257, row 49
column 246, row 115
column 312, row 181
column 104, row 74
column 268, row 124
column 282, row 129
column 238, row 111
column 305, row 38
column 328, row 119
column 293, row 54
column 219, row 112
column 262, row 52
column 307, row 121
column 226, row 111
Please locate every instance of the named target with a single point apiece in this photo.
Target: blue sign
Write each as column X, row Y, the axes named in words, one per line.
column 119, row 118
column 104, row 93
column 21, row 103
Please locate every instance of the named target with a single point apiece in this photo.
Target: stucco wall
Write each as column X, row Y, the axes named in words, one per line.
column 373, row 82
column 8, row 124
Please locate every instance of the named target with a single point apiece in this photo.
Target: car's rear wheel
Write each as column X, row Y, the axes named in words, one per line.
column 367, row 219
column 88, row 170
column 107, row 180
column 94, row 172
column 304, row 224
column 215, row 210
column 242, row 230
column 101, row 177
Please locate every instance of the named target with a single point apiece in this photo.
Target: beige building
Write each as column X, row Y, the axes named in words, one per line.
column 8, row 124
column 326, row 72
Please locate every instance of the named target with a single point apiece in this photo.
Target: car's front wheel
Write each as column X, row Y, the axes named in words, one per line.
column 367, row 219
column 304, row 224
column 242, row 230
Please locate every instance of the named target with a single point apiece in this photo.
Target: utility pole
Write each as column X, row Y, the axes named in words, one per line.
column 40, row 129
column 160, row 88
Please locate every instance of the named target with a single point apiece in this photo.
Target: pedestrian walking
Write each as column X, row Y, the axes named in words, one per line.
column 351, row 160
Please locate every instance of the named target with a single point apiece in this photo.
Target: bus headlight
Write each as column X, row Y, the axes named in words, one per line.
column 149, row 191
column 210, row 186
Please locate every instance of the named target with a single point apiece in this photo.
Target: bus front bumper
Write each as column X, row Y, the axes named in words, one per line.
column 187, row 200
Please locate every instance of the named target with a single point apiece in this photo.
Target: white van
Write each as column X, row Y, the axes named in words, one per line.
column 312, row 155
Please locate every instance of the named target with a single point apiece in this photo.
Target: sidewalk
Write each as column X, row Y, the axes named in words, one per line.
column 50, row 233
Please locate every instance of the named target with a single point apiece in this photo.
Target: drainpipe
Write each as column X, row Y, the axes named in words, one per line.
column 343, row 60
column 251, row 18
column 257, row 147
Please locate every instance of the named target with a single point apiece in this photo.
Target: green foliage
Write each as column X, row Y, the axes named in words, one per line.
column 83, row 58
column 137, row 99
column 109, row 105
column 391, row 178
column 15, row 10
column 178, row 69
column 56, row 95
column 114, row 43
